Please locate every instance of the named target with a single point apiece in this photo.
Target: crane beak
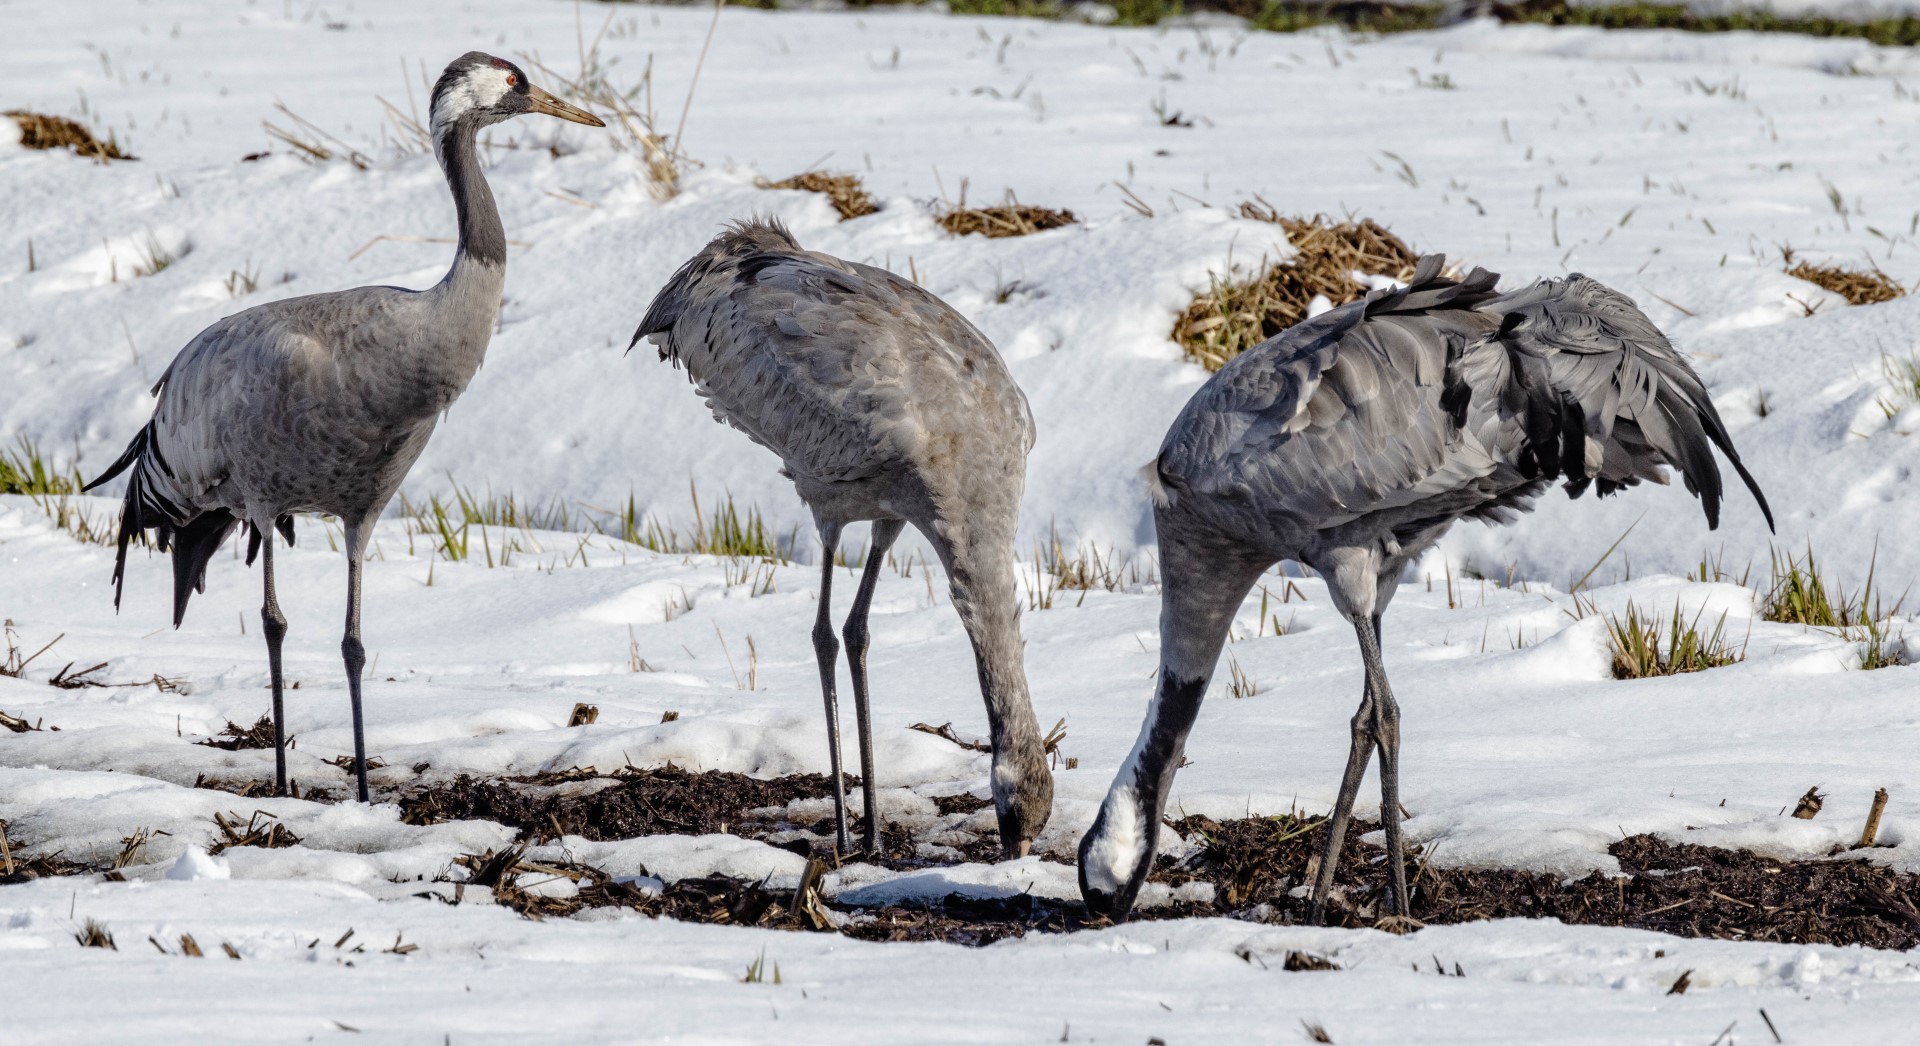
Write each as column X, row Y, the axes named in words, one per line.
column 541, row 102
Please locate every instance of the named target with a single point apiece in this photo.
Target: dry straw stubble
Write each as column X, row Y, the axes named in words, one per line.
column 1859, row 288
column 1233, row 315
column 1008, row 218
column 41, row 131
column 843, row 190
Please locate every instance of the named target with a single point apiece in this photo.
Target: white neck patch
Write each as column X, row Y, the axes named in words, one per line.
column 1111, row 858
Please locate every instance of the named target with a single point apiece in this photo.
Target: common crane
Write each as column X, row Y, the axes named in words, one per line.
column 886, row 405
column 1350, row 443
column 322, row 403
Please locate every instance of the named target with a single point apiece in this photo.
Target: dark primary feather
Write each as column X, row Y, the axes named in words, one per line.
column 193, row 547
column 1627, row 381
column 1446, row 399
column 191, row 535
column 144, row 508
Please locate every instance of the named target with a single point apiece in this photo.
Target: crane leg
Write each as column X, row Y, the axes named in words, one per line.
column 1386, row 733
column 273, row 625
column 1357, row 759
column 826, row 650
column 355, row 656
column 885, row 532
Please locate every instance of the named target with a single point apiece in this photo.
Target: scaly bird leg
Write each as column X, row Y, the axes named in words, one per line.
column 1357, row 758
column 274, row 625
column 885, row 531
column 826, row 650
column 355, row 656
column 1386, row 733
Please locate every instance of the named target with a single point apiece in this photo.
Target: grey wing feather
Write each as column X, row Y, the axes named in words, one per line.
column 842, row 369
column 1628, row 401
column 1446, row 394
column 1338, row 416
column 178, row 458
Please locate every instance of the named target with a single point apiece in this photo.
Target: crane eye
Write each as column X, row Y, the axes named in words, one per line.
column 512, row 80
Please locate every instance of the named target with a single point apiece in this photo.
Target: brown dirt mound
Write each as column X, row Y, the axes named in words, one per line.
column 41, row 131
column 1232, row 316
column 843, row 190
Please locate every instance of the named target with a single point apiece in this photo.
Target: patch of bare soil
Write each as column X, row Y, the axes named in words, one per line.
column 739, row 902
column 671, row 801
column 1689, row 891
column 1256, row 866
column 625, row 805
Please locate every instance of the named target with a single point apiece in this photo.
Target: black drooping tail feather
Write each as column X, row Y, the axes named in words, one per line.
column 1586, row 365
column 144, row 508
column 192, row 537
column 193, row 546
column 284, row 525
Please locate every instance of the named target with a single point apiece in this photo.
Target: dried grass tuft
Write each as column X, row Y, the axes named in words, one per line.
column 41, row 131
column 1232, row 315
column 134, row 847
column 1008, row 218
column 95, row 935
column 843, row 190
column 629, row 111
column 263, row 830
column 236, row 737
column 1859, row 288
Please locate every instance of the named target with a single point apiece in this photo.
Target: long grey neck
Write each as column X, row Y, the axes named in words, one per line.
column 980, row 571
column 1201, row 593
column 988, row 603
column 482, row 239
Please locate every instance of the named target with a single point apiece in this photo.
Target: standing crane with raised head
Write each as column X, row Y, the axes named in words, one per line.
column 322, row 403
column 885, row 405
column 1350, row 443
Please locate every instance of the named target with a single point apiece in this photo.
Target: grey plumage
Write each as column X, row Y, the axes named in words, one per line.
column 1350, row 443
column 322, row 403
column 883, row 404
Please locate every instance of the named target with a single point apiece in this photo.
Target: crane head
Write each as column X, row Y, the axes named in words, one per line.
column 481, row 89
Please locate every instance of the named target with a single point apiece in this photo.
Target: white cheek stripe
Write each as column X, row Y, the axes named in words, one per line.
column 481, row 88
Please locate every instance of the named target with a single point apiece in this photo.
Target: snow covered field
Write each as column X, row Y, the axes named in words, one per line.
column 1672, row 167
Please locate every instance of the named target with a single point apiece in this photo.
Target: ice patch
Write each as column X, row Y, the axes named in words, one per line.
column 1028, row 875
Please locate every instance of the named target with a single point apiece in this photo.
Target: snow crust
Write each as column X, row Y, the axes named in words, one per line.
column 1554, row 150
